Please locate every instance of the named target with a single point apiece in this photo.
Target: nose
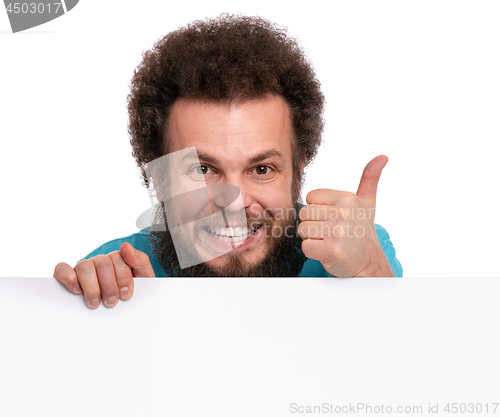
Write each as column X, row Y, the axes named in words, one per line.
column 229, row 197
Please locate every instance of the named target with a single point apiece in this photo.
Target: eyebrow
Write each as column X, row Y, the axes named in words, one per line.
column 255, row 159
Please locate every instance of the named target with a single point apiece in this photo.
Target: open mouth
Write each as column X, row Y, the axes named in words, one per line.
column 232, row 234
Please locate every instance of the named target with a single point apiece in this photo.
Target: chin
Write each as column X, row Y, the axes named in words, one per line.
column 245, row 257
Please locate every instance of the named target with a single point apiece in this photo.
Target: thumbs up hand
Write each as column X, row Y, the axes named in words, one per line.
column 338, row 228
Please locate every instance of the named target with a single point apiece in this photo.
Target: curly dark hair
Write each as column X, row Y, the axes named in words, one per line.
column 225, row 59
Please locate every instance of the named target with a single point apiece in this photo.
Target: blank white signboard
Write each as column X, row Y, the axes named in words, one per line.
column 253, row 347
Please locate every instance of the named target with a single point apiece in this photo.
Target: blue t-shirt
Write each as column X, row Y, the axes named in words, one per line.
column 311, row 268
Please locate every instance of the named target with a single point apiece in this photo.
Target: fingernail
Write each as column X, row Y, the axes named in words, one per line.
column 78, row 289
column 124, row 292
column 94, row 303
column 111, row 301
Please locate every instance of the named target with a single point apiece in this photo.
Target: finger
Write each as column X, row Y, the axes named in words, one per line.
column 314, row 212
column 327, row 197
column 87, row 277
column 317, row 249
column 311, row 230
column 67, row 276
column 323, row 213
column 137, row 260
column 369, row 180
column 123, row 274
column 107, row 281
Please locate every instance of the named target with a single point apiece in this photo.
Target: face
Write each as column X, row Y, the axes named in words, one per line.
column 247, row 145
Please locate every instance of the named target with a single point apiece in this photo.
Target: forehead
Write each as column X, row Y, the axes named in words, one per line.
column 232, row 130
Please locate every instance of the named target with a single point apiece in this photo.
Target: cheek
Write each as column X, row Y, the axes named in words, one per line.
column 189, row 207
column 277, row 202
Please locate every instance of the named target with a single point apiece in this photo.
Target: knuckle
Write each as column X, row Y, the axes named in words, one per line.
column 124, row 276
column 102, row 261
column 338, row 231
column 61, row 270
column 335, row 251
column 312, row 249
column 71, row 280
column 84, row 266
column 301, row 231
column 115, row 256
column 65, row 274
column 348, row 194
column 144, row 257
column 305, row 247
column 349, row 198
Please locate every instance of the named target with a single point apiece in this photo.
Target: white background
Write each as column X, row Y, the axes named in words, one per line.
column 417, row 81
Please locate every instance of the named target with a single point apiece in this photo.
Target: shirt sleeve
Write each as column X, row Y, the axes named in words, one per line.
column 139, row 241
column 389, row 251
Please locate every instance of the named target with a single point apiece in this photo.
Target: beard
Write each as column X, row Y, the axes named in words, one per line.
column 284, row 257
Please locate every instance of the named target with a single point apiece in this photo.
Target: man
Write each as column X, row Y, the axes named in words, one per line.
column 241, row 94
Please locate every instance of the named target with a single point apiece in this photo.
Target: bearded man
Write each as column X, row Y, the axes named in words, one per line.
column 236, row 108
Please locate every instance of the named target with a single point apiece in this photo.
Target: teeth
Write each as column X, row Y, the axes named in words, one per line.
column 232, row 234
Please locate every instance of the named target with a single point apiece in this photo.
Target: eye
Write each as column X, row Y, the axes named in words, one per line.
column 262, row 170
column 202, row 170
